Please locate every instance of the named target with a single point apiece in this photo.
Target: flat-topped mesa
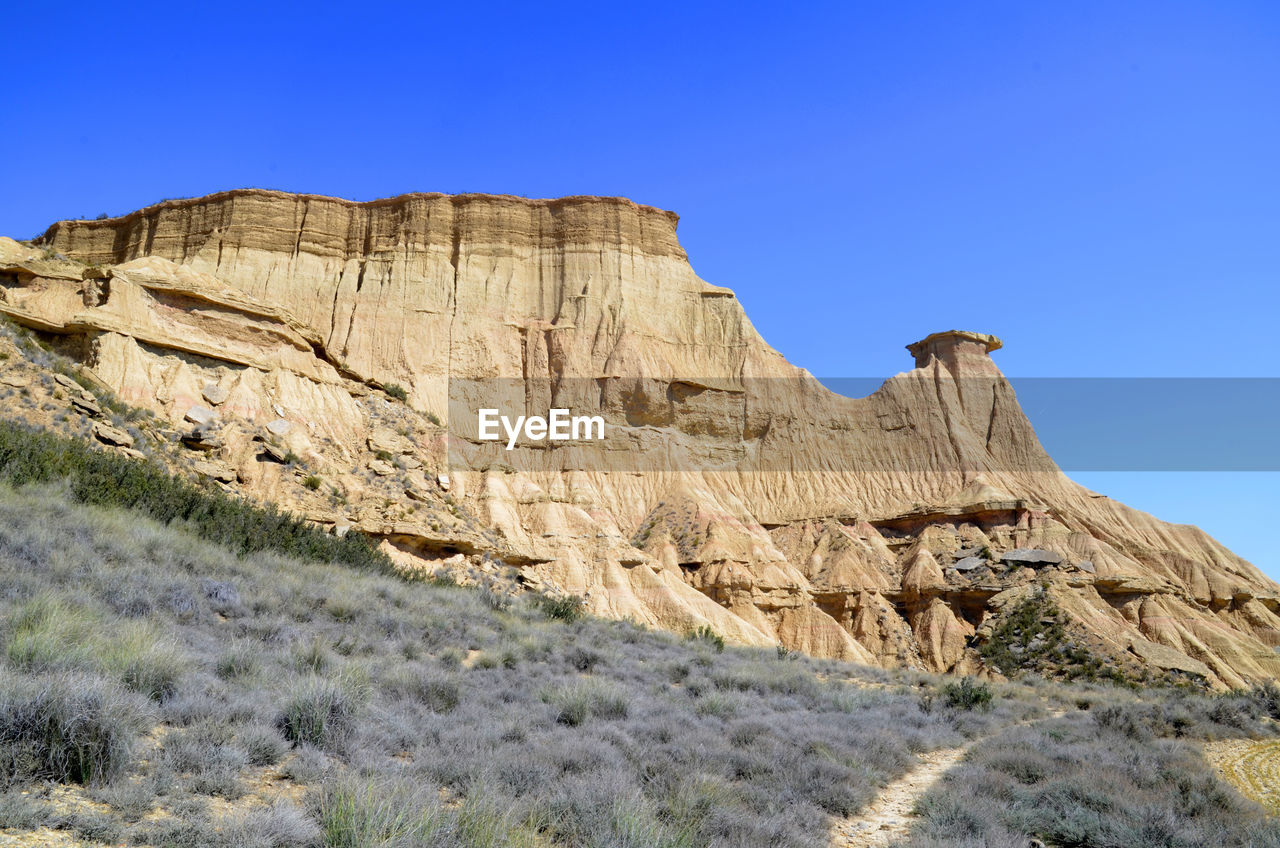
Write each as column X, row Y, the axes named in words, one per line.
column 958, row 350
column 287, row 224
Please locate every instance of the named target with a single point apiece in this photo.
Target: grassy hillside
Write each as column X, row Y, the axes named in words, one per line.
column 200, row 697
column 157, row 688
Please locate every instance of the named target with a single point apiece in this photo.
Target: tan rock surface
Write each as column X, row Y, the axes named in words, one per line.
column 732, row 490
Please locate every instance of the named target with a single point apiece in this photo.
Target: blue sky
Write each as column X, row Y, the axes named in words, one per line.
column 1096, row 183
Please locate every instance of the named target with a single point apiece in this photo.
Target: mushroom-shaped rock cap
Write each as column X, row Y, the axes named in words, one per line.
column 949, row 345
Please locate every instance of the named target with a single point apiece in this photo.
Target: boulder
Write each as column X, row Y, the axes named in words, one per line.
column 215, row 470
column 86, row 403
column 214, row 393
column 203, row 439
column 275, row 452
column 200, row 415
column 388, row 441
column 1033, row 557
column 104, row 432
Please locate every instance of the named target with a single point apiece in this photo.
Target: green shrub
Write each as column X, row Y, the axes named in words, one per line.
column 106, row 479
column 567, row 608
column 967, row 694
column 396, row 391
column 358, row 813
column 709, row 636
column 49, row 634
column 312, row 482
column 141, row 660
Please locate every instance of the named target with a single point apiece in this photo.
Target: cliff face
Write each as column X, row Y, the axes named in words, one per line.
column 733, row 490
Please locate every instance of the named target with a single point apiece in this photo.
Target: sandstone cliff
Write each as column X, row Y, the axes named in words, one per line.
column 733, row 490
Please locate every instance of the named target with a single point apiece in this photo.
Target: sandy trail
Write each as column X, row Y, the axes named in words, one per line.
column 888, row 817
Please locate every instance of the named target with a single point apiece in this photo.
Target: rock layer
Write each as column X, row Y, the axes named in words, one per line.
column 734, row 491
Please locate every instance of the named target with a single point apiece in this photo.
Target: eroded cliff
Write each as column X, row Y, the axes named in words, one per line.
column 733, row 490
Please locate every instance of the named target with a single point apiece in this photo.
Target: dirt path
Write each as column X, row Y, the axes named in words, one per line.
column 888, row 817
column 1251, row 767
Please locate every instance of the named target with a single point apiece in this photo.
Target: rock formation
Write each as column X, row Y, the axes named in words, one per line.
column 277, row 334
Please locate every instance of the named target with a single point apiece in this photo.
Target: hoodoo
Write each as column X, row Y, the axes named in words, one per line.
column 733, row 491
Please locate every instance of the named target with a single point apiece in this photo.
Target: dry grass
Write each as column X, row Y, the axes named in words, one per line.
column 255, row 700
column 271, row 696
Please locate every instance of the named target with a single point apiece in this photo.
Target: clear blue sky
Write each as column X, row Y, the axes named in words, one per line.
column 1098, row 183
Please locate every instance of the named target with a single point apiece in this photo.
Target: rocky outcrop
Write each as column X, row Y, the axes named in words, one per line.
column 732, row 490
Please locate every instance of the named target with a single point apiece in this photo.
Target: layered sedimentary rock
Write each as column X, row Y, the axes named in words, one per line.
column 732, row 491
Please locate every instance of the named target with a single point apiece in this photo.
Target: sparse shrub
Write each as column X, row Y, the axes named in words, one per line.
column 49, row 634
column 566, row 608
column 396, row 391
column 578, row 702
column 1082, row 781
column 495, row 600
column 967, row 694
column 65, row 728
column 1267, row 698
column 132, row 799
column 437, row 691
column 450, row 658
column 218, row 771
column 138, row 657
column 281, row 825
column 19, row 811
column 93, row 826
column 582, row 659
column 708, row 636
column 237, row 664
column 319, row 712
column 355, row 813
column 263, row 746
column 313, row 657
column 717, row 704
column 312, row 482
column 434, row 419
